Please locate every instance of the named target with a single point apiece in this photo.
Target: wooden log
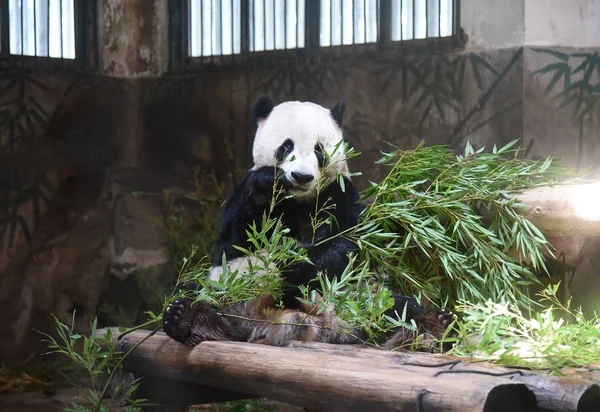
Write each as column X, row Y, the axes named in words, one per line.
column 553, row 393
column 563, row 210
column 323, row 381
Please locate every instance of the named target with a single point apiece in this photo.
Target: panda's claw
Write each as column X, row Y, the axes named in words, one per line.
column 172, row 317
column 192, row 324
column 445, row 318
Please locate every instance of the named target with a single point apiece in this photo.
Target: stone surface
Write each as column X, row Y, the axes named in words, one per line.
column 61, row 276
column 133, row 37
column 139, row 240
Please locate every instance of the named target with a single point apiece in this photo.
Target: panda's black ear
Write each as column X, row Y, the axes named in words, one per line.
column 338, row 112
column 261, row 109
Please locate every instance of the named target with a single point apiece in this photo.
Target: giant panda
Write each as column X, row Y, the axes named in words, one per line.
column 299, row 148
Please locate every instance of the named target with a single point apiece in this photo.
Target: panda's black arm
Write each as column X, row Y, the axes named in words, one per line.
column 330, row 250
column 331, row 256
column 246, row 205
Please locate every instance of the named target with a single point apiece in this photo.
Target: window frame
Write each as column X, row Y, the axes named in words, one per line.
column 312, row 52
column 86, row 43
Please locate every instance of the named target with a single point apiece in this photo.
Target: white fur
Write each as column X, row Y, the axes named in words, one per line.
column 241, row 267
column 306, row 124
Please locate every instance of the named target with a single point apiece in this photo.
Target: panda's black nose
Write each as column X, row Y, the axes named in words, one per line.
column 301, row 178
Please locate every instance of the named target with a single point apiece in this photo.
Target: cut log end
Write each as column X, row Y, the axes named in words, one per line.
column 590, row 399
column 511, row 397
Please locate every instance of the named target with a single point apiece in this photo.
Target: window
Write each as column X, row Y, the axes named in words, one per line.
column 421, row 19
column 45, row 29
column 215, row 26
column 348, row 22
column 42, row 28
column 233, row 30
column 276, row 24
column 209, row 20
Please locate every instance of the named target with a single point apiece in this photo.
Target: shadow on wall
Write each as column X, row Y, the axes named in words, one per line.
column 55, row 145
column 180, row 139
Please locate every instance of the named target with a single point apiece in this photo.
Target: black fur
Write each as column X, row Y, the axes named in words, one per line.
column 261, row 109
column 285, row 149
column 337, row 112
column 320, row 157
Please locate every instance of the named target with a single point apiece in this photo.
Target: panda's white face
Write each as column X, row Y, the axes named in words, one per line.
column 305, row 141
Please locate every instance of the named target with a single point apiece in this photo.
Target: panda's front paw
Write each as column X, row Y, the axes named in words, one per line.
column 445, row 318
column 192, row 323
column 172, row 321
column 263, row 181
column 405, row 304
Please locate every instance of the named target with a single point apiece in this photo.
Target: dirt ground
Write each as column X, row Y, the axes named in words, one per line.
column 38, row 402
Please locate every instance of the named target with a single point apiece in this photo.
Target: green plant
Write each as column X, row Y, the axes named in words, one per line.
column 272, row 248
column 499, row 332
column 246, row 405
column 34, row 374
column 424, row 226
column 98, row 356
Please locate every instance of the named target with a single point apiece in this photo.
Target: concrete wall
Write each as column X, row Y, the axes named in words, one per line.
column 133, row 37
column 492, row 24
column 572, row 23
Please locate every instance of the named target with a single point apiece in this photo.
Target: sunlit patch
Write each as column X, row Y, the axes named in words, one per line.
column 586, row 200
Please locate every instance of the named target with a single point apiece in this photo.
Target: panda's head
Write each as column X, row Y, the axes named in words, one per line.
column 303, row 139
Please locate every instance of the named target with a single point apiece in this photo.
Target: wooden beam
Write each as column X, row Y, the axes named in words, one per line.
column 352, row 378
column 563, row 210
column 319, row 381
column 553, row 393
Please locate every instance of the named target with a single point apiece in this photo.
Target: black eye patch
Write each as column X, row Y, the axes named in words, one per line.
column 320, row 156
column 285, row 149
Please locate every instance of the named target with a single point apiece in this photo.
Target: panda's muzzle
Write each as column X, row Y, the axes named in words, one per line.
column 301, row 178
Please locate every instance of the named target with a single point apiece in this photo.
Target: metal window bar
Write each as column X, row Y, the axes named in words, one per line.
column 214, row 27
column 345, row 22
column 421, row 19
column 42, row 28
column 4, row 27
column 276, row 24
